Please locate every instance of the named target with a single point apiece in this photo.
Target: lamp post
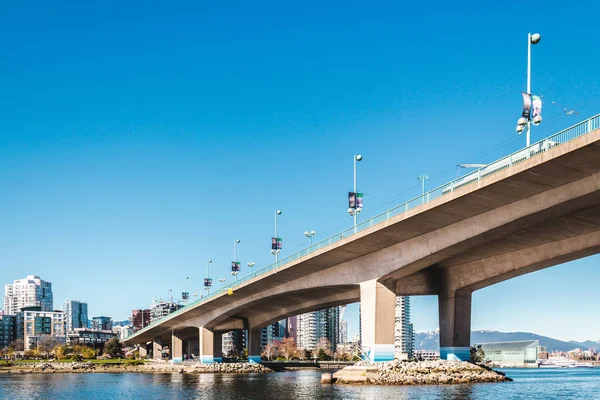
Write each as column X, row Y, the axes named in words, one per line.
column 421, row 179
column 531, row 39
column 185, row 293
column 353, row 211
column 251, row 265
column 222, row 280
column 207, row 283
column 276, row 250
column 234, row 266
column 169, row 299
column 310, row 236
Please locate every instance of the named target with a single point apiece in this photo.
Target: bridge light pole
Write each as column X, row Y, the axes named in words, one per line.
column 355, row 205
column 251, row 265
column 185, row 293
column 234, row 264
column 170, row 299
column 531, row 39
column 276, row 244
column 310, row 236
column 222, row 280
column 421, row 179
column 207, row 283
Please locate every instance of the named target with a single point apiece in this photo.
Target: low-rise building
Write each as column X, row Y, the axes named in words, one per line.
column 140, row 319
column 32, row 323
column 426, row 355
column 89, row 337
column 522, row 353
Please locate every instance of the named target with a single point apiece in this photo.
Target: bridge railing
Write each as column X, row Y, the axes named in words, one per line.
column 543, row 145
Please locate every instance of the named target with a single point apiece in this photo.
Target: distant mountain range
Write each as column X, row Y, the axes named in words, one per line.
column 431, row 340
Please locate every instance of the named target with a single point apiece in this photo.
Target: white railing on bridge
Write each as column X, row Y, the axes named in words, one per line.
column 557, row 139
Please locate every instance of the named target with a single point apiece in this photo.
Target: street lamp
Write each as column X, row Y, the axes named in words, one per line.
column 355, row 198
column 235, row 267
column 276, row 242
column 222, row 280
column 251, row 265
column 207, row 283
column 185, row 293
column 526, row 118
column 310, row 236
column 169, row 299
column 421, row 179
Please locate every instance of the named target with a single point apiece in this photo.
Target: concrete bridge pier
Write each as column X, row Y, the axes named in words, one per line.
column 378, row 312
column 176, row 347
column 143, row 350
column 157, row 346
column 455, row 325
column 254, row 345
column 210, row 346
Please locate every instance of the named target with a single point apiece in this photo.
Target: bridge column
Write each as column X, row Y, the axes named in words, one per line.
column 157, row 348
column 176, row 348
column 143, row 350
column 210, row 346
column 254, row 347
column 455, row 325
column 378, row 311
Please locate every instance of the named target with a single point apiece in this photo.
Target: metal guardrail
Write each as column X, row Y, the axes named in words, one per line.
column 543, row 145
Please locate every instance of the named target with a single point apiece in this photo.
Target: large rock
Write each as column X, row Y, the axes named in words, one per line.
column 416, row 373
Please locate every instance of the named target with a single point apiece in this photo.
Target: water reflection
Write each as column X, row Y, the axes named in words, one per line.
column 288, row 385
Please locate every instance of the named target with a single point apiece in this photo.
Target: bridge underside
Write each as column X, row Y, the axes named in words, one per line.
column 539, row 213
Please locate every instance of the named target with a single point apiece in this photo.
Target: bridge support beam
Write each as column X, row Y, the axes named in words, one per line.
column 254, row 347
column 378, row 311
column 455, row 325
column 176, row 348
column 157, row 348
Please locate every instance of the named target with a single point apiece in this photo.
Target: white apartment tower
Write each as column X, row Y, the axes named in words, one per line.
column 28, row 292
column 403, row 334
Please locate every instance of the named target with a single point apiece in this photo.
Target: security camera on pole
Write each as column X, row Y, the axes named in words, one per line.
column 276, row 242
column 355, row 199
column 530, row 101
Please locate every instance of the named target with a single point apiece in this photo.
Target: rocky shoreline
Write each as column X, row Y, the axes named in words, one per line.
column 418, row 373
column 149, row 367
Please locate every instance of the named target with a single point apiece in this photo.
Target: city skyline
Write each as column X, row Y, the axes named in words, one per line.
column 140, row 163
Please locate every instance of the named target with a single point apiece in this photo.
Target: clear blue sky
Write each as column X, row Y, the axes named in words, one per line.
column 138, row 140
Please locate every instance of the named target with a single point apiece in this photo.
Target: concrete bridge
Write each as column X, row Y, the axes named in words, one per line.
column 534, row 209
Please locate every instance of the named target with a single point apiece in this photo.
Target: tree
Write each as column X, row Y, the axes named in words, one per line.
column 288, row 348
column 60, row 351
column 270, row 351
column 113, row 348
column 46, row 343
column 18, row 345
column 325, row 345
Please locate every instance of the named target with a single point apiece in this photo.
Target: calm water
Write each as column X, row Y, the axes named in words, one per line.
column 528, row 384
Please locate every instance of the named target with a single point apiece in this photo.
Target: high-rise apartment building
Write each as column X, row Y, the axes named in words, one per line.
column 8, row 330
column 28, row 292
column 234, row 342
column 140, row 319
column 273, row 332
column 404, row 342
column 160, row 309
column 102, row 323
column 313, row 326
column 76, row 314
